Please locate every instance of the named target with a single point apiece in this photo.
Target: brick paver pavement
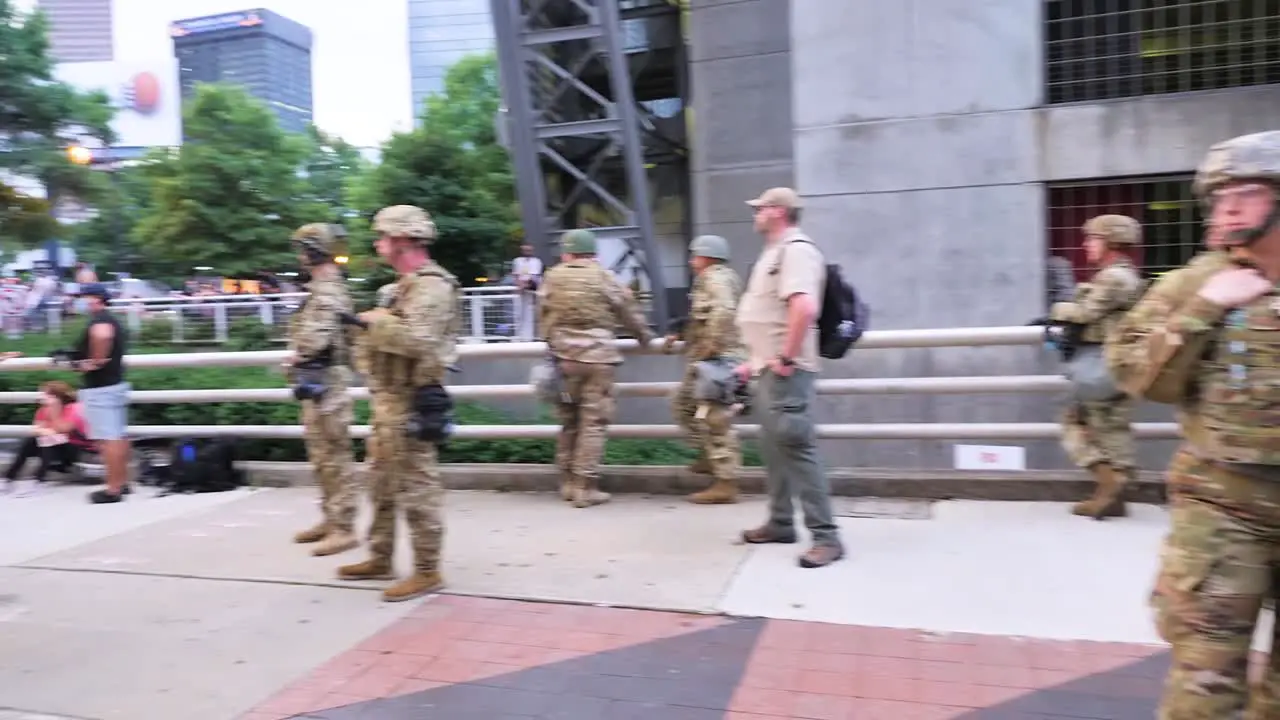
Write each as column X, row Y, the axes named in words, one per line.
column 464, row 658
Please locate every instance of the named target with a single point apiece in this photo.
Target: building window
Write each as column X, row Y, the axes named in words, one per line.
column 1172, row 226
column 1106, row 49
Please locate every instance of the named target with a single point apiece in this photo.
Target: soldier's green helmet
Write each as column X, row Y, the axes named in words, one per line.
column 1253, row 157
column 710, row 246
column 1115, row 229
column 405, row 221
column 578, row 242
column 318, row 240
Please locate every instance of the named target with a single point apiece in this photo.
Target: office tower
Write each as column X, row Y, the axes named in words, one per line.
column 79, row 30
column 268, row 54
column 442, row 32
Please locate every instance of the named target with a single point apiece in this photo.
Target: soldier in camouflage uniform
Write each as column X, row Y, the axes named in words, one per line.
column 1211, row 347
column 362, row 362
column 1097, row 434
column 410, row 344
column 711, row 331
column 316, row 333
column 580, row 305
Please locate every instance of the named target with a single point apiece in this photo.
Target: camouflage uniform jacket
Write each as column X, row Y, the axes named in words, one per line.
column 1219, row 366
column 416, row 340
column 712, row 328
column 316, row 329
column 361, row 353
column 581, row 305
column 1098, row 304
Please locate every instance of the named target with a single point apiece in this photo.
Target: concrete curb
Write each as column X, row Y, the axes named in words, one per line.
column 1030, row 485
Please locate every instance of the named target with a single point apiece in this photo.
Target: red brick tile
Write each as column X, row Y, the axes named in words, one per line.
column 256, row 715
column 944, row 652
column 448, row 670
column 753, row 716
column 988, row 695
column 831, row 662
column 948, row 694
column 763, row 702
column 771, row 677
column 426, row 644
column 337, row 700
column 469, row 650
column 812, row 706
column 402, row 665
column 294, row 702
column 589, row 642
column 824, row 683
column 885, row 688
column 413, row 685
column 373, row 683
column 937, row 671
column 784, row 635
column 778, row 657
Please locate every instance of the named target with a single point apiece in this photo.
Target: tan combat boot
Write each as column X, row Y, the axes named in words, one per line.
column 338, row 541
column 416, row 585
column 587, row 493
column 313, row 534
column 1108, row 496
column 371, row 569
column 722, row 491
column 566, row 485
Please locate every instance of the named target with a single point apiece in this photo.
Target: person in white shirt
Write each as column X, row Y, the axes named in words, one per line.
column 527, row 271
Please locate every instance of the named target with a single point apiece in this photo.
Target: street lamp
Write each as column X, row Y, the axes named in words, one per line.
column 83, row 156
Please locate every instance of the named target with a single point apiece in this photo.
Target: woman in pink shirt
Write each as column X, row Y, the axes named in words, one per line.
column 59, row 433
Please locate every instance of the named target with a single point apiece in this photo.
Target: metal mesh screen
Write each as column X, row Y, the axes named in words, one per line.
column 1105, row 49
column 1173, row 229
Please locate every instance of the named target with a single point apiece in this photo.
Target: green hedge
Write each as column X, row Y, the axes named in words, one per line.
column 622, row 451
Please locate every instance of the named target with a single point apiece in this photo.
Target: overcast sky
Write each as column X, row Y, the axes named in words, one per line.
column 360, row 55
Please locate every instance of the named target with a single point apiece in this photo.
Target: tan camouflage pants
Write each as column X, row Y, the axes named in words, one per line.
column 328, row 440
column 1219, row 565
column 585, row 420
column 405, row 473
column 713, row 434
column 1099, row 432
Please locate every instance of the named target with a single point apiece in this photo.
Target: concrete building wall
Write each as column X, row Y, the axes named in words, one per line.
column 916, row 132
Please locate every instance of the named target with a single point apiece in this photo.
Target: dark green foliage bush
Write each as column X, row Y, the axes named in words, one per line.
column 623, row 451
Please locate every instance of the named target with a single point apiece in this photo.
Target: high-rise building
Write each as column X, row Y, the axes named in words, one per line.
column 79, row 30
column 267, row 53
column 442, row 32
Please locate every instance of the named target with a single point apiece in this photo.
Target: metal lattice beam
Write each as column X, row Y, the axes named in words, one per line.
column 575, row 130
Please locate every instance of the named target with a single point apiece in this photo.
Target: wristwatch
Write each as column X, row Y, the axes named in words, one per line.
column 785, row 361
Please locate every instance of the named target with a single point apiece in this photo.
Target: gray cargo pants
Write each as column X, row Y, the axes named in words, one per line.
column 789, row 446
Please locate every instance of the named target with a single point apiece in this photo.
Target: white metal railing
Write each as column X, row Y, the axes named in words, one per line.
column 492, row 315
column 884, row 339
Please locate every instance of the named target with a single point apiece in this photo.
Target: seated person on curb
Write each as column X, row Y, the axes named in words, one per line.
column 59, row 434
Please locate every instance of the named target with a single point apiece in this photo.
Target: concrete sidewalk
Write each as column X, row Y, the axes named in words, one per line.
column 199, row 606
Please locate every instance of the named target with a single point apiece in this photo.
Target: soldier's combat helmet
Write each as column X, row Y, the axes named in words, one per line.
column 578, row 242
column 1254, row 157
column 710, row 246
column 1115, row 229
column 318, row 242
column 405, row 221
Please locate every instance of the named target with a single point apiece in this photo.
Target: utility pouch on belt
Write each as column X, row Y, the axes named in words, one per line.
column 716, row 382
column 548, row 382
column 1090, row 378
column 432, row 416
column 310, row 380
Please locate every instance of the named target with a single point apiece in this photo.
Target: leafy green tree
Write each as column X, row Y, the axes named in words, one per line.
column 331, row 164
column 231, row 196
column 452, row 167
column 39, row 118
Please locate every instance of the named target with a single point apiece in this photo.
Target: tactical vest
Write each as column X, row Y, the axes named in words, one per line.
column 1097, row 333
column 393, row 372
column 578, row 300
column 1239, row 386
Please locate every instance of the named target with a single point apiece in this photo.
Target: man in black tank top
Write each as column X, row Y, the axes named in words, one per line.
column 105, row 394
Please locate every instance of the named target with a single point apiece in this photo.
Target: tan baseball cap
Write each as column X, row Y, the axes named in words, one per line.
column 783, row 197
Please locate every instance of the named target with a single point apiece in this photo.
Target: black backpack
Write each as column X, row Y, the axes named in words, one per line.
column 201, row 466
column 843, row 317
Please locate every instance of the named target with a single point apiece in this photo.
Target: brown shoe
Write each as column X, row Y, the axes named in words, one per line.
column 721, row 492
column 821, row 556
column 371, row 569
column 587, row 493
column 766, row 534
column 310, row 535
column 414, row 586
column 566, row 486
column 334, row 543
column 1108, row 496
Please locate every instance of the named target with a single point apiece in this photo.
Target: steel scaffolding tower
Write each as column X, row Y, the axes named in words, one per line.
column 570, row 78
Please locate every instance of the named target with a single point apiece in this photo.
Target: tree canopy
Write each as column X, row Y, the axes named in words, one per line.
column 39, row 118
column 452, row 167
column 230, row 197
